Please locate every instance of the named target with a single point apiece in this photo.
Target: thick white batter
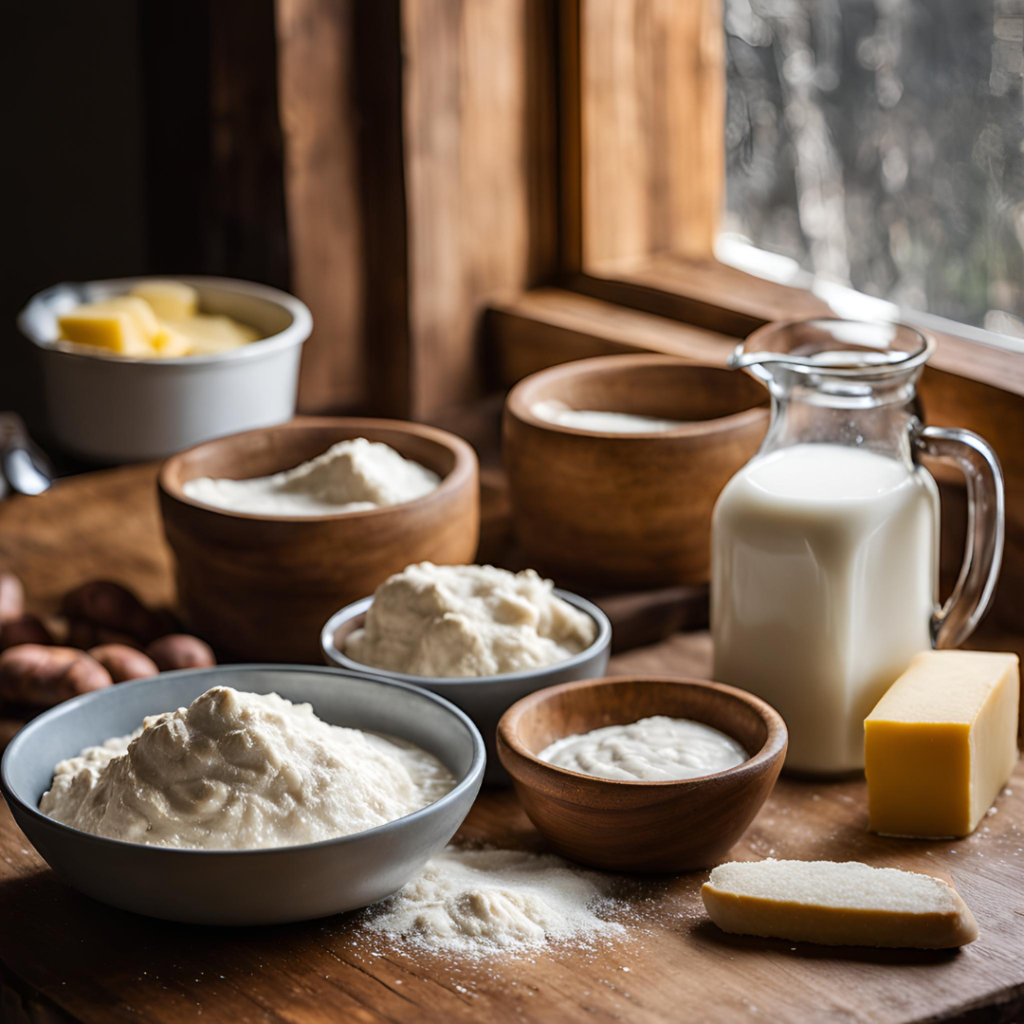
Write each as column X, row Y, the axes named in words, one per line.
column 240, row 771
column 601, row 421
column 351, row 476
column 655, row 749
column 468, row 620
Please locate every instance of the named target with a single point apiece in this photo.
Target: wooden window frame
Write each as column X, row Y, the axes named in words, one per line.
column 637, row 270
column 474, row 191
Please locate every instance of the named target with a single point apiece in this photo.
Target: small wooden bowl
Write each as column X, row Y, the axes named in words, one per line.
column 259, row 588
column 627, row 510
column 641, row 826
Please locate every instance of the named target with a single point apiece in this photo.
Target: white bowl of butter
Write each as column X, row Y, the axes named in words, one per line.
column 212, row 356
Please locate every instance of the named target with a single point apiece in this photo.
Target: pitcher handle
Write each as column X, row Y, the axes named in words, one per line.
column 956, row 620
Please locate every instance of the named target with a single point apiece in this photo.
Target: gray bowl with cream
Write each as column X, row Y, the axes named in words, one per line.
column 237, row 887
column 484, row 698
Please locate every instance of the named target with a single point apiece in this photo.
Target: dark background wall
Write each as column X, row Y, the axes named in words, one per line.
column 142, row 137
column 75, row 202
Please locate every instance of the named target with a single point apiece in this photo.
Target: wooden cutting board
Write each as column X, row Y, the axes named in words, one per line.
column 64, row 954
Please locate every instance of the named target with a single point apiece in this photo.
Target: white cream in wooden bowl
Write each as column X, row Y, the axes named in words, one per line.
column 601, row 421
column 351, row 476
column 657, row 749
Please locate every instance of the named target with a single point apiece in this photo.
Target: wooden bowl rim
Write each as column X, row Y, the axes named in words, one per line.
column 335, row 656
column 518, row 404
column 460, row 474
column 761, row 761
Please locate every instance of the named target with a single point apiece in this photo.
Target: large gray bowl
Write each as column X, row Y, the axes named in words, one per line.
column 484, row 698
column 239, row 887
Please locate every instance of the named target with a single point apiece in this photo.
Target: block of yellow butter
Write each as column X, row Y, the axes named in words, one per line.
column 941, row 743
column 170, row 343
column 125, row 325
column 169, row 300
column 209, row 334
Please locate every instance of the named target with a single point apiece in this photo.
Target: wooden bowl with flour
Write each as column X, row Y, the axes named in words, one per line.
column 626, row 511
column 620, row 825
column 260, row 587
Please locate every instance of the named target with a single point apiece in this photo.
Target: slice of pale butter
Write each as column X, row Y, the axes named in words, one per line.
column 837, row 904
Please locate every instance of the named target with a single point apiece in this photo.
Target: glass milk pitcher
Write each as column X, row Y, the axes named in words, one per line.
column 825, row 545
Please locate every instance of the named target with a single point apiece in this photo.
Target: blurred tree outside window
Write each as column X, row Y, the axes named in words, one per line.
column 880, row 144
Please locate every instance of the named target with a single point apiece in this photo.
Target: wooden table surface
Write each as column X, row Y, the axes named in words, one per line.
column 65, row 956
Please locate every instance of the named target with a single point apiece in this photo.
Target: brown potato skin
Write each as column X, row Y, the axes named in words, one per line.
column 179, row 650
column 86, row 635
column 12, row 597
column 110, row 606
column 26, row 629
column 43, row 676
column 124, row 663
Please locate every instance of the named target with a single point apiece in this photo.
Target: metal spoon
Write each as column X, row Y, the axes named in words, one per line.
column 26, row 469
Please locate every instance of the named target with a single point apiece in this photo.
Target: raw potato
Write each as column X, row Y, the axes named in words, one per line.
column 12, row 597
column 837, row 904
column 180, row 650
column 124, row 663
column 111, row 606
column 44, row 676
column 27, row 629
column 85, row 635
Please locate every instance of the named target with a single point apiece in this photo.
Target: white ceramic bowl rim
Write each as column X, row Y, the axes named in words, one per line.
column 351, row 611
column 24, row 735
column 294, row 334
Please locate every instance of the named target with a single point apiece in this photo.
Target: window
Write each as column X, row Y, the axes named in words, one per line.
column 879, row 143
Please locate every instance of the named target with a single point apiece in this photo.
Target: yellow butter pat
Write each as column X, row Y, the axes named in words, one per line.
column 104, row 327
column 169, row 300
column 171, row 343
column 208, row 334
column 941, row 743
column 138, row 309
column 158, row 320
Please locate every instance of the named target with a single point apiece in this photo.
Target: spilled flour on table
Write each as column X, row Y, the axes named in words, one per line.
column 477, row 902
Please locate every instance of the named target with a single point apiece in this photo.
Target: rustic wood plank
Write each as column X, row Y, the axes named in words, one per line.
column 420, row 141
column 479, row 171
column 103, row 525
column 649, row 127
column 320, row 120
column 722, row 298
column 98, row 964
column 547, row 326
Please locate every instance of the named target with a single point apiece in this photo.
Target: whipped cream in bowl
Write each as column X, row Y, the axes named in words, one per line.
column 481, row 636
column 355, row 475
column 251, row 794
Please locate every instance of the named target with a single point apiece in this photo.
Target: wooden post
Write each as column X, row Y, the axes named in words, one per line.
column 651, row 117
column 420, row 185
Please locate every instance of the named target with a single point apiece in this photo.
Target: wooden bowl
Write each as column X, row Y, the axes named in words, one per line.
column 258, row 587
column 641, row 826
column 627, row 510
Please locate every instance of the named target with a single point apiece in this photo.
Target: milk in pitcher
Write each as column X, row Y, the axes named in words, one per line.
column 824, row 586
